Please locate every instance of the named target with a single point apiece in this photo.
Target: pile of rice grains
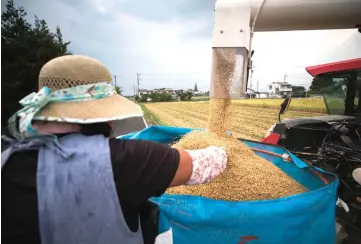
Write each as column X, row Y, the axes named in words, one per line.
column 247, row 176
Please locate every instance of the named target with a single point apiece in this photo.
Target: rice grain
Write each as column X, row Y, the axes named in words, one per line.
column 220, row 110
column 247, row 176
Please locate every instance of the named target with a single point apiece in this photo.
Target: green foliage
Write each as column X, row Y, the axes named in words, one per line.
column 298, row 91
column 143, row 98
column 319, row 83
column 119, row 90
column 25, row 49
column 186, row 96
column 160, row 97
column 155, row 97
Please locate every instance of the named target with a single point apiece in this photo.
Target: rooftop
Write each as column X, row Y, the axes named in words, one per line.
column 281, row 83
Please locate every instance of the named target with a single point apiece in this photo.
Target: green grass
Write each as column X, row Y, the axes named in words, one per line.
column 149, row 117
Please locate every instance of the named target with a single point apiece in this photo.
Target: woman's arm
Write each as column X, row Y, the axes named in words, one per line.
column 184, row 170
column 143, row 169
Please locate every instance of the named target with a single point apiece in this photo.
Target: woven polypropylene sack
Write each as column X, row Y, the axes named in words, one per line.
column 305, row 218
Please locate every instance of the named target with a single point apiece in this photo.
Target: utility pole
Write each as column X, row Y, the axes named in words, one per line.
column 251, row 76
column 138, row 80
column 250, row 82
column 257, row 84
column 115, row 80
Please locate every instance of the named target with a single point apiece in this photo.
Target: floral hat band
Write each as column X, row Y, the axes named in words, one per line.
column 75, row 89
column 34, row 102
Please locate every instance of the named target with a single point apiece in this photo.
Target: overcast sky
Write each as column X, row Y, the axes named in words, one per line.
column 161, row 37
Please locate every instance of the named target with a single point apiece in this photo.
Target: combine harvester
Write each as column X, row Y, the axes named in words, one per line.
column 305, row 218
column 331, row 142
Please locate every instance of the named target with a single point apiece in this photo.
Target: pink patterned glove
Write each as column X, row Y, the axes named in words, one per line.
column 207, row 164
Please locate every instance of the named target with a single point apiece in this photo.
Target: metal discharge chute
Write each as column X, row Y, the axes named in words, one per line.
column 235, row 21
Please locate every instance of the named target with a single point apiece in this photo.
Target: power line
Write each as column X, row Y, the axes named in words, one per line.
column 262, row 65
column 171, row 74
column 115, row 80
column 138, row 81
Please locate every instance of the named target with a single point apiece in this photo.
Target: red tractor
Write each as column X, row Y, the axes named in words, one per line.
column 331, row 142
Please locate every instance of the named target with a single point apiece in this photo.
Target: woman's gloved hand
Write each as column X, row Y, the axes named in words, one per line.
column 207, row 164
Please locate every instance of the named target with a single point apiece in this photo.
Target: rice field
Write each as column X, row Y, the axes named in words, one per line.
column 315, row 105
column 251, row 118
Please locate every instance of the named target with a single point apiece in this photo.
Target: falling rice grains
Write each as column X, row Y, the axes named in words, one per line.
column 224, row 60
column 247, row 176
column 220, row 115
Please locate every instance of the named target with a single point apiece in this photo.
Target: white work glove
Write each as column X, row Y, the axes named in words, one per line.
column 207, row 164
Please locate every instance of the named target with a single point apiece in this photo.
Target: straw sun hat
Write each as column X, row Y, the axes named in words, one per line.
column 76, row 70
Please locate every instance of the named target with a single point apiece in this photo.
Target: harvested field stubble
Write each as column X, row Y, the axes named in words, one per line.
column 247, row 122
column 247, row 176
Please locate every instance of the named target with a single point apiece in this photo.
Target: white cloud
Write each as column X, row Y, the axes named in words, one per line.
column 105, row 6
column 160, row 37
column 279, row 53
column 167, row 48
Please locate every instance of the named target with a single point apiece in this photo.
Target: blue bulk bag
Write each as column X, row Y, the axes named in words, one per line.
column 298, row 219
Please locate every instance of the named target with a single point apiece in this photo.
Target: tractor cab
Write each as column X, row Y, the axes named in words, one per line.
column 340, row 86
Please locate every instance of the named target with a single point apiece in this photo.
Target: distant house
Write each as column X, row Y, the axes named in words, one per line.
column 174, row 92
column 262, row 95
column 143, row 92
column 279, row 89
column 178, row 91
column 158, row 90
column 167, row 90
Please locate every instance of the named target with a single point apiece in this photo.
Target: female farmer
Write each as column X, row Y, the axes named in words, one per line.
column 65, row 181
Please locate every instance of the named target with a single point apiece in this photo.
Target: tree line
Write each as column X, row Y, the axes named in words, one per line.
column 25, row 47
column 163, row 97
